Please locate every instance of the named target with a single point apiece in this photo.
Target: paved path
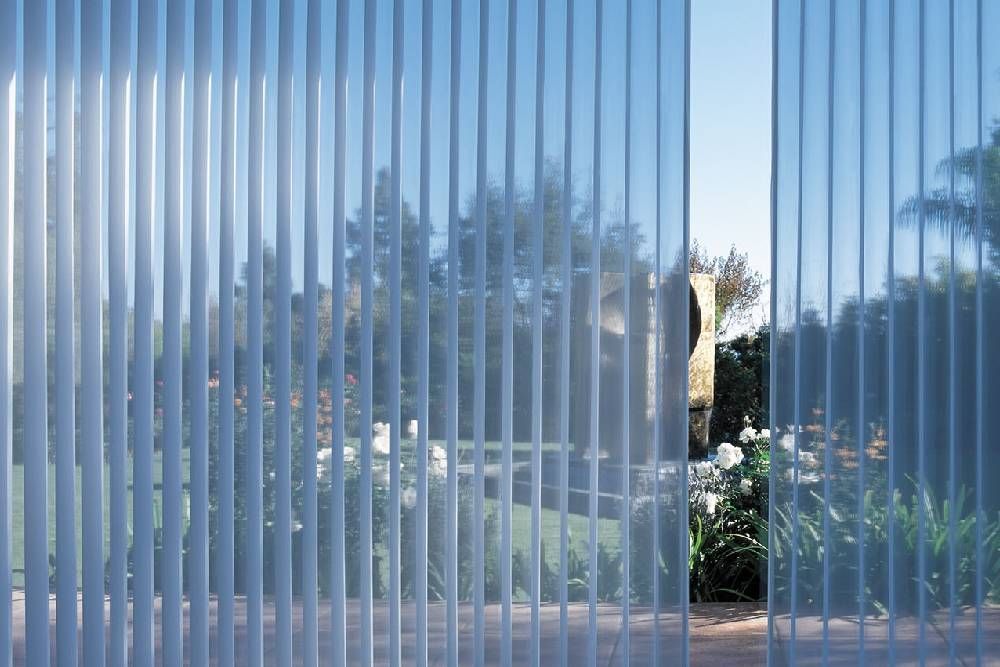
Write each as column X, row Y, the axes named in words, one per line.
column 843, row 633
column 720, row 634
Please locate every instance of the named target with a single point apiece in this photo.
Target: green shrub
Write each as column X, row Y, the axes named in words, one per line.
column 740, row 384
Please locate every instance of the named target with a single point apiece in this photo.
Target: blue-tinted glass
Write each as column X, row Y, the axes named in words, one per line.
column 883, row 526
column 348, row 331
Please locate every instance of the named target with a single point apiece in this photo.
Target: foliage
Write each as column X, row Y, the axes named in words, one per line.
column 728, row 523
column 737, row 286
column 948, row 548
column 740, row 383
column 952, row 200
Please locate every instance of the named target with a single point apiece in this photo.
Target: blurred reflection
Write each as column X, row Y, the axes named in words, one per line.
column 885, row 530
column 643, row 369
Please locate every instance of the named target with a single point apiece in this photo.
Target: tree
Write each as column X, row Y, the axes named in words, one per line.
column 737, row 286
column 945, row 209
column 741, row 366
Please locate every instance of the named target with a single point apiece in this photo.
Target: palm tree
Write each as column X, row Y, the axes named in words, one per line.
column 961, row 212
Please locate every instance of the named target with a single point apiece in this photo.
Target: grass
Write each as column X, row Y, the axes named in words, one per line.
column 17, row 493
column 608, row 529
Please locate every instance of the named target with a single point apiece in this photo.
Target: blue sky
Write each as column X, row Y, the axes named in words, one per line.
column 730, row 114
column 730, row 149
column 731, row 126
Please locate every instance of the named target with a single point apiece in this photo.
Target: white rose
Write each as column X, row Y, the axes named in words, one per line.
column 728, row 455
column 746, row 487
column 704, row 469
column 323, row 455
column 787, row 442
column 381, row 444
column 349, row 454
column 439, row 453
column 711, row 500
column 749, row 434
column 408, row 498
column 765, row 433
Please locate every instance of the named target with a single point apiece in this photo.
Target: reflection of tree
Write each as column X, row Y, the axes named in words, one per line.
column 943, row 212
column 612, row 259
column 51, row 267
column 933, row 357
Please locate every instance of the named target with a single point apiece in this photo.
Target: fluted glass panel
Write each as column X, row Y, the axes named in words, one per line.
column 884, row 519
column 343, row 332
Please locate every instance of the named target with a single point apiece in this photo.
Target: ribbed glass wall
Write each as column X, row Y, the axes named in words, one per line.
column 346, row 332
column 885, row 517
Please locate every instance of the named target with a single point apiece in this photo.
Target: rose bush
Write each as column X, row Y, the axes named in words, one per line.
column 727, row 498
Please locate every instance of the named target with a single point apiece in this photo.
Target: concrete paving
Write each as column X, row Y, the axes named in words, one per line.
column 844, row 634
column 720, row 634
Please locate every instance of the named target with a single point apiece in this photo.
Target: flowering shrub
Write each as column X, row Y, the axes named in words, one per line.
column 728, row 506
column 728, row 520
column 727, row 497
column 819, row 517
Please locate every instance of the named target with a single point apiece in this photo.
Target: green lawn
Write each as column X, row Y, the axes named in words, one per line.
column 579, row 526
column 17, row 491
column 608, row 529
column 493, row 448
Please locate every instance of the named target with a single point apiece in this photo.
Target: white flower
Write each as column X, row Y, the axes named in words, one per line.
column 787, row 442
column 408, row 498
column 765, row 434
column 746, row 487
column 704, row 469
column 711, row 500
column 439, row 453
column 749, row 434
column 323, row 462
column 381, row 445
column 413, row 429
column 728, row 456
column 349, row 454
